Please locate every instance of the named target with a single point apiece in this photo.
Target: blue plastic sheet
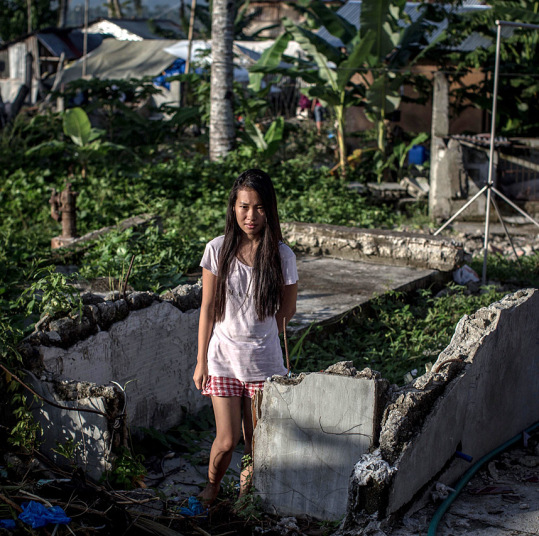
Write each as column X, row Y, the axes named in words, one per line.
column 195, row 508
column 36, row 515
column 7, row 524
column 178, row 67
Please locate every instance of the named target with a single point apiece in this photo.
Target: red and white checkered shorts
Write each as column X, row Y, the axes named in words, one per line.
column 221, row 386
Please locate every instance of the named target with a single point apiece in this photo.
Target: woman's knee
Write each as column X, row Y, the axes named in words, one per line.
column 226, row 442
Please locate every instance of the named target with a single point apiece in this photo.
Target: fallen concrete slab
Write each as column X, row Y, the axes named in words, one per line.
column 481, row 391
column 309, row 433
column 331, row 288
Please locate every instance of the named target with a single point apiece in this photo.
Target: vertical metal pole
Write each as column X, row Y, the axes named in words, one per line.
column 491, row 151
column 85, row 39
column 190, row 36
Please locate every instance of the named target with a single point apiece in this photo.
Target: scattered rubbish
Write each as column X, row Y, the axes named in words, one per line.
column 287, row 525
column 7, row 524
column 36, row 515
column 195, row 508
column 529, row 461
column 464, row 275
column 45, row 481
column 440, row 492
column 463, row 456
column 409, row 376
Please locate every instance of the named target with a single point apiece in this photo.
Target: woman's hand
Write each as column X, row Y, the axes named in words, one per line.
column 200, row 377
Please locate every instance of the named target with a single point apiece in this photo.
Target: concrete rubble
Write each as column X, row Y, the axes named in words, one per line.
column 466, row 403
column 377, row 246
column 388, row 449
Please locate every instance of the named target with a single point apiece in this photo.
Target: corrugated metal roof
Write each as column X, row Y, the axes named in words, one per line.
column 70, row 42
column 351, row 11
column 141, row 28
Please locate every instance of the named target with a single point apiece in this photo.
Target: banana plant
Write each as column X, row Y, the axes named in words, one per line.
column 378, row 50
column 330, row 76
column 87, row 141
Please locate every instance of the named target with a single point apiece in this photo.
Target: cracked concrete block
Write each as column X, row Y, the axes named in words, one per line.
column 90, row 434
column 377, row 246
column 307, row 439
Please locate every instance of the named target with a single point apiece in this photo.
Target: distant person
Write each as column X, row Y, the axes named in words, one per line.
column 318, row 114
column 304, row 107
column 249, row 290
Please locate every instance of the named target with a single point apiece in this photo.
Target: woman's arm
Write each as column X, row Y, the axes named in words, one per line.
column 205, row 327
column 288, row 305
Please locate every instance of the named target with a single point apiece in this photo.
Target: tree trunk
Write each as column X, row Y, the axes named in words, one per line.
column 62, row 13
column 222, row 77
column 339, row 112
column 114, row 9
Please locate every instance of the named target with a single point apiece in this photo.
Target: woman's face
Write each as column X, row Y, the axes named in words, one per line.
column 250, row 213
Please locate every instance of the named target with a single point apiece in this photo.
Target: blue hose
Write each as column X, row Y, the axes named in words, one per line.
column 433, row 527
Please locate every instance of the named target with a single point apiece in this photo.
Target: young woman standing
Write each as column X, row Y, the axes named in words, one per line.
column 249, row 291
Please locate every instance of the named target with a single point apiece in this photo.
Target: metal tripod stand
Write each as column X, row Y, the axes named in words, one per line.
column 490, row 187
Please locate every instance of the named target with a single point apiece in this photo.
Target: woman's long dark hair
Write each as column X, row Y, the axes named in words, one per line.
column 268, row 279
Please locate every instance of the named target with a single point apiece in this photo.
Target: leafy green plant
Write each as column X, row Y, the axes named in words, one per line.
column 266, row 143
column 87, row 140
column 127, row 471
column 52, row 293
column 67, row 449
column 398, row 333
column 27, row 432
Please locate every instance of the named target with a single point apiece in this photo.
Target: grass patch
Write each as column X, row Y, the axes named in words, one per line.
column 395, row 333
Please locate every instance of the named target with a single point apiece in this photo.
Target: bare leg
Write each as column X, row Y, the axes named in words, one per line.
column 227, row 412
column 247, row 467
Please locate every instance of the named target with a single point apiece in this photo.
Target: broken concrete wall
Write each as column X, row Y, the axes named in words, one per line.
column 145, row 343
column 309, row 433
column 84, row 435
column 482, row 390
column 375, row 245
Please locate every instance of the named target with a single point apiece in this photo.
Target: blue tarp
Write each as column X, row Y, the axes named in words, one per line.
column 36, row 515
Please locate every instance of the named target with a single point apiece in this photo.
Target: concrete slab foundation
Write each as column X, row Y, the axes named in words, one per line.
column 330, row 288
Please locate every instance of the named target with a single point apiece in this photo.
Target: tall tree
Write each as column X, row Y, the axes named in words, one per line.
column 14, row 20
column 222, row 135
column 518, row 91
column 114, row 9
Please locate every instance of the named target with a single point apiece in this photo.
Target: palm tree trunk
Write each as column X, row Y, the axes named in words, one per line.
column 222, row 76
column 339, row 112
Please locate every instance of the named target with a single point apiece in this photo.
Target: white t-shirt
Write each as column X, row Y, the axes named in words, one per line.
column 242, row 346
